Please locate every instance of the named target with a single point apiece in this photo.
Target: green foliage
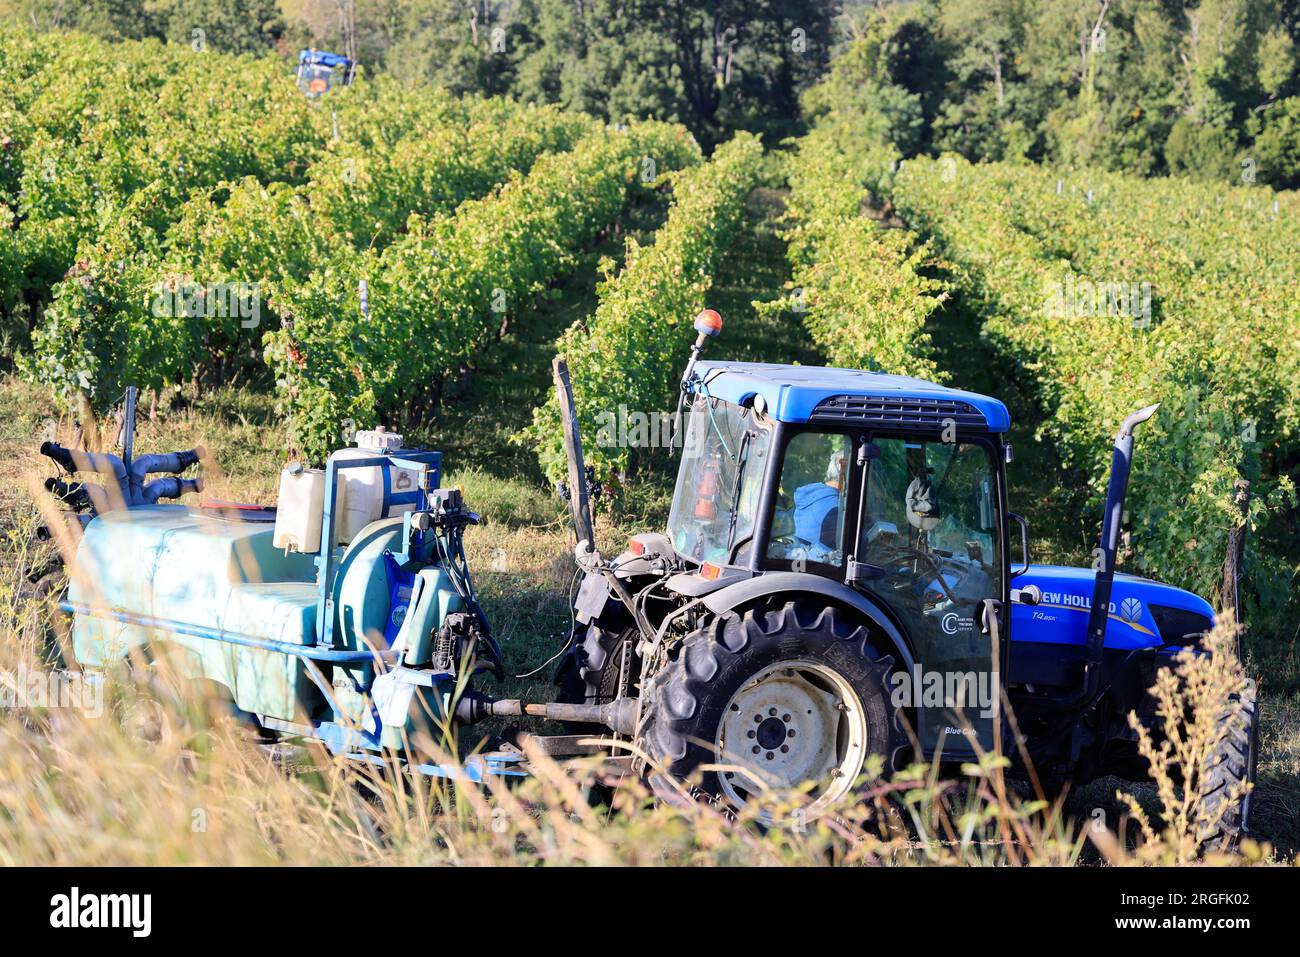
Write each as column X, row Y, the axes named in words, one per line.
column 1277, row 149
column 365, row 193
column 105, row 19
column 713, row 66
column 630, row 353
column 1200, row 150
column 1140, row 87
column 88, row 342
column 223, row 26
column 462, row 48
column 1217, row 348
column 298, row 207
column 885, row 83
column 1277, row 62
column 1137, row 86
column 438, row 294
column 357, row 195
column 93, row 125
column 860, row 287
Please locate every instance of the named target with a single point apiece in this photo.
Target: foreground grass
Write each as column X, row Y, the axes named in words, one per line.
column 152, row 776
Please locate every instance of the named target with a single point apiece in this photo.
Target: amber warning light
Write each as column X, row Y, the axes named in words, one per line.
column 708, row 323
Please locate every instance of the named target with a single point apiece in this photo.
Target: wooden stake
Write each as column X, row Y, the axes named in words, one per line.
column 1230, row 597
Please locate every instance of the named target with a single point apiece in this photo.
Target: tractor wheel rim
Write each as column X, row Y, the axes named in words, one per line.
column 794, row 721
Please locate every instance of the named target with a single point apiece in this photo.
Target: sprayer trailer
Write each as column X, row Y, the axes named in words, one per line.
column 346, row 615
column 835, row 581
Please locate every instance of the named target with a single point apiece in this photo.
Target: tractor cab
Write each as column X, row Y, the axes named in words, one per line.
column 318, row 71
column 887, row 489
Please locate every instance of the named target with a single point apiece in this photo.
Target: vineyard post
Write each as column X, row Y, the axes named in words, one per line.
column 1232, row 563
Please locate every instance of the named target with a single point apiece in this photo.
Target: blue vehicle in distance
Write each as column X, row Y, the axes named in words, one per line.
column 319, row 71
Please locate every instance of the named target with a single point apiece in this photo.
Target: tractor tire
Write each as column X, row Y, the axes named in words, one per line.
column 1233, row 763
column 783, row 696
column 590, row 675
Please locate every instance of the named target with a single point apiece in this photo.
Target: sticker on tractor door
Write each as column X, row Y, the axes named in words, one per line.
column 954, row 624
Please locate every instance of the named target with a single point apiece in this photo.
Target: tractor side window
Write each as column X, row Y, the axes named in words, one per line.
column 931, row 497
column 812, row 501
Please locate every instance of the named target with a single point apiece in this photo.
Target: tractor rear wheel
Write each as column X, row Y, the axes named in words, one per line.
column 1231, row 768
column 773, row 699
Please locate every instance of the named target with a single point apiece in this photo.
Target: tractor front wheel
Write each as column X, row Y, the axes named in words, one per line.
column 1226, row 794
column 602, row 662
column 773, row 699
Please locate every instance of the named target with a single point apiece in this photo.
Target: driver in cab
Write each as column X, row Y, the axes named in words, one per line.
column 817, row 510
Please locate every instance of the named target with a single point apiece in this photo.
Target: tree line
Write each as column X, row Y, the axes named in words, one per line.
column 1205, row 88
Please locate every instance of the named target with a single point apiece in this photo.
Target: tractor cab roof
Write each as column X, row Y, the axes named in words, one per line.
column 851, row 397
column 322, row 58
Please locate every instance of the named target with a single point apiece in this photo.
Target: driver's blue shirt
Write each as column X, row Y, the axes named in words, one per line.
column 813, row 504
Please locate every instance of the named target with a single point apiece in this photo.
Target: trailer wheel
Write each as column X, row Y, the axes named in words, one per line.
column 1233, row 764
column 54, row 624
column 773, row 699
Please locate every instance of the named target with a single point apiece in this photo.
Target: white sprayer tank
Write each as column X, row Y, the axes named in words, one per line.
column 361, row 490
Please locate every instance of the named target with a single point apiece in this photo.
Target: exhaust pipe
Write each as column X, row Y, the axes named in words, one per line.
column 1120, row 466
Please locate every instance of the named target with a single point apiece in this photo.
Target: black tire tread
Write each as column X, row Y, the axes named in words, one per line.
column 1232, row 763
column 683, row 686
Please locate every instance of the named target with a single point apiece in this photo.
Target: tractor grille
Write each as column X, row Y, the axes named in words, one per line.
column 884, row 412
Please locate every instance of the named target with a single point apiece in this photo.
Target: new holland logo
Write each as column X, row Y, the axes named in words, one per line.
column 1130, row 609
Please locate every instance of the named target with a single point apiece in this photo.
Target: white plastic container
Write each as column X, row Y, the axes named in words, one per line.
column 361, row 490
column 299, row 510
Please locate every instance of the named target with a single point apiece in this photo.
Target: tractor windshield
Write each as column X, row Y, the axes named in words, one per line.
column 723, row 460
column 315, row 79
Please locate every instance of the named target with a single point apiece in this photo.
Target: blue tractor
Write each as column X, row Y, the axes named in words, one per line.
column 318, row 71
column 837, row 579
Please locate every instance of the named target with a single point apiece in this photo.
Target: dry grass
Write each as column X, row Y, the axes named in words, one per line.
column 1197, row 703
column 154, row 776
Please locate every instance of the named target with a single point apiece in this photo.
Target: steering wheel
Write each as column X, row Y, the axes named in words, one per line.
column 928, row 560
